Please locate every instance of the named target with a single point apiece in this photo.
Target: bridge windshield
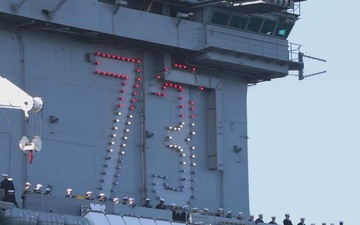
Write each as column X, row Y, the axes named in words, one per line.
column 265, row 26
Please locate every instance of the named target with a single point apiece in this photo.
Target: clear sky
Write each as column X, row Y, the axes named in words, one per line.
column 304, row 136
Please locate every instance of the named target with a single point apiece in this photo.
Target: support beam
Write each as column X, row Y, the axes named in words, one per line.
column 16, row 7
column 51, row 13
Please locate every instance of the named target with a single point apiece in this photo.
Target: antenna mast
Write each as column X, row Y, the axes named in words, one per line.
column 301, row 71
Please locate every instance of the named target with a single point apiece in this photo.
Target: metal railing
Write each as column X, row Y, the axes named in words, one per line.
column 245, row 42
column 294, row 50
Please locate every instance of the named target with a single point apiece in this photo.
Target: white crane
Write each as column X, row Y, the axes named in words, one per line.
column 13, row 97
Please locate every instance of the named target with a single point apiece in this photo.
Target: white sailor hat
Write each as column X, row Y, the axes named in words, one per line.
column 147, row 199
column 186, row 207
column 88, row 192
column 102, row 194
column 228, row 212
column 69, row 189
column 5, row 175
column 116, row 199
column 173, row 204
column 240, row 213
column 162, row 199
column 206, row 209
column 47, row 189
column 125, row 198
column 10, row 179
column 39, row 185
column 131, row 199
column 27, row 184
column 220, row 209
column 11, row 191
column 194, row 208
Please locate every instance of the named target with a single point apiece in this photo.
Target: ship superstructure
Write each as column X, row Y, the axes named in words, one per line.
column 142, row 98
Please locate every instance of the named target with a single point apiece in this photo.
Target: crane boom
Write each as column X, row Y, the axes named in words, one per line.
column 13, row 97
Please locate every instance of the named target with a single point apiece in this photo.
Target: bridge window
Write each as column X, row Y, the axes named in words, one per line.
column 238, row 22
column 268, row 27
column 220, row 18
column 283, row 29
column 255, row 24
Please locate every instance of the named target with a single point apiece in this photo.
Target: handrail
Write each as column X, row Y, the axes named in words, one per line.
column 294, row 50
column 234, row 38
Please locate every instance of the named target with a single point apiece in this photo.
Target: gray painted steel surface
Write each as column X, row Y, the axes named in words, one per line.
column 158, row 110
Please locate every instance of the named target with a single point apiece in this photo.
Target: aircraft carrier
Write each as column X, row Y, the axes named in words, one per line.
column 141, row 99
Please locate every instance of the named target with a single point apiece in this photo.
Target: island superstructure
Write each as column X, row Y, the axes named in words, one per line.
column 142, row 98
